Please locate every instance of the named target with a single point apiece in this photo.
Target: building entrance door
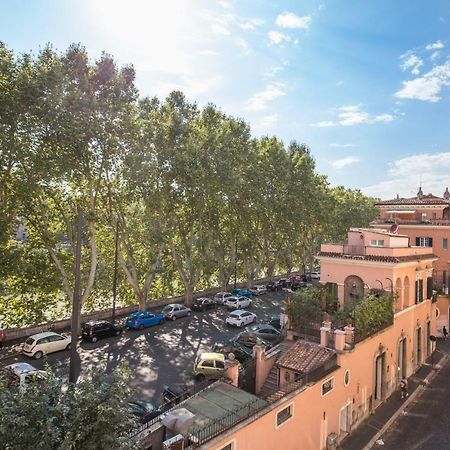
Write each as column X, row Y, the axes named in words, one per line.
column 401, row 362
column 419, row 346
column 379, row 363
column 345, row 418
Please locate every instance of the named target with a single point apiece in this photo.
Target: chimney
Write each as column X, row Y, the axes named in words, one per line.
column 446, row 194
column 232, row 369
column 339, row 340
column 259, row 353
column 324, row 331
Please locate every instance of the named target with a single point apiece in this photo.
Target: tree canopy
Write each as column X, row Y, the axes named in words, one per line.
column 190, row 191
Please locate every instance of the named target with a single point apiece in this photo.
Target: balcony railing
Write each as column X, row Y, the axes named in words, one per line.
column 354, row 250
column 441, row 222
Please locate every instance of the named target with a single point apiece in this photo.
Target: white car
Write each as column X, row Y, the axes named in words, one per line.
column 41, row 344
column 220, row 297
column 315, row 275
column 240, row 318
column 237, row 302
column 258, row 289
column 22, row 374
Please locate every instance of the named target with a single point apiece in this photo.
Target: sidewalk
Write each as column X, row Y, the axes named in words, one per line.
column 385, row 413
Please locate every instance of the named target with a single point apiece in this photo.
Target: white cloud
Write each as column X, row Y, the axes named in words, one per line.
column 341, row 163
column 277, row 38
column 349, row 115
column 341, row 145
column 324, row 124
column 251, row 24
column 435, row 45
column 290, row 20
column 428, row 86
column 266, row 123
column 352, row 115
column 403, row 176
column 243, row 44
column 384, row 118
column 411, row 62
column 220, row 29
column 226, row 5
column 209, row 52
column 259, row 101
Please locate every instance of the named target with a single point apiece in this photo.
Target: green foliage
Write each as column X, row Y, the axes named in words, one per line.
column 47, row 415
column 373, row 313
column 186, row 186
column 304, row 306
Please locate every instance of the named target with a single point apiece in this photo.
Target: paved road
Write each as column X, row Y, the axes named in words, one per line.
column 159, row 355
column 425, row 424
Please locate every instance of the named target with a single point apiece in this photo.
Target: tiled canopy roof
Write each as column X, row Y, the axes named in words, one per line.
column 304, row 357
column 421, row 200
column 378, row 258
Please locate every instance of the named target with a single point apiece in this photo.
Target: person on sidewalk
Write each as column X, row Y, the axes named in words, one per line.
column 404, row 387
column 444, row 332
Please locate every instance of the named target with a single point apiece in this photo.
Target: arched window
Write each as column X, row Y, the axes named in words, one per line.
column 399, row 295
column 406, row 299
column 353, row 289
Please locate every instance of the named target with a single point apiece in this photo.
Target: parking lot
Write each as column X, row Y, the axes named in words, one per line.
column 162, row 354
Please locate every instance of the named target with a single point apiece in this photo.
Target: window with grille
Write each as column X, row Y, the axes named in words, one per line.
column 424, row 242
column 285, row 414
column 445, row 243
column 377, row 242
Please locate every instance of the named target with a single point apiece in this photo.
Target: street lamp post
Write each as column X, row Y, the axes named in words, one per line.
column 114, row 286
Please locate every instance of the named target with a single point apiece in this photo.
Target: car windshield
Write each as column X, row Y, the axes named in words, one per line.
column 235, row 315
column 136, row 315
column 167, row 308
column 253, row 328
column 29, row 341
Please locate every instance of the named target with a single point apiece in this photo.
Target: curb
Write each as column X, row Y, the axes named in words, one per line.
column 439, row 365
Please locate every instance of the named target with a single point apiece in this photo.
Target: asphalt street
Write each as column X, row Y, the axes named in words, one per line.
column 159, row 355
column 425, row 424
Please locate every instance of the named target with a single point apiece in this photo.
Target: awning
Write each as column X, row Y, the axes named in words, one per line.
column 401, row 211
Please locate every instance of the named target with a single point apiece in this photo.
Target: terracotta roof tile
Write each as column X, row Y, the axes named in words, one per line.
column 422, row 200
column 304, row 357
column 387, row 259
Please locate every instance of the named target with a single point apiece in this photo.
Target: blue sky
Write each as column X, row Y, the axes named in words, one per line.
column 365, row 84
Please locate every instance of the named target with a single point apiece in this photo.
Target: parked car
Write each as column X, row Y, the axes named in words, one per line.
column 315, row 275
column 273, row 286
column 240, row 318
column 93, row 330
column 174, row 311
column 306, row 278
column 21, row 374
column 220, row 297
column 237, row 302
column 258, row 289
column 142, row 319
column 265, row 332
column 143, row 410
column 209, row 365
column 284, row 282
column 203, row 304
column 175, row 394
column 41, row 344
column 249, row 341
column 274, row 321
column 241, row 353
column 238, row 292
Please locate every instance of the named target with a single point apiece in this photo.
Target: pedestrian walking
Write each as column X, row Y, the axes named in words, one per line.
column 404, row 387
column 2, row 337
column 444, row 332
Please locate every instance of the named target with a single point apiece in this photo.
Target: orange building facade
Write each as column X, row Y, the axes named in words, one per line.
column 357, row 374
column 425, row 219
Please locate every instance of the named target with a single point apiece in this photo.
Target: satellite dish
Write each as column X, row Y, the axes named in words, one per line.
column 394, row 228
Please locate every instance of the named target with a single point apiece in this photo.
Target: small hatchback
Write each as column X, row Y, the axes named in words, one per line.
column 209, row 365
column 21, row 374
column 97, row 329
column 258, row 289
column 237, row 302
column 220, row 297
column 41, row 344
column 202, row 304
column 240, row 318
column 241, row 293
column 174, row 311
column 142, row 319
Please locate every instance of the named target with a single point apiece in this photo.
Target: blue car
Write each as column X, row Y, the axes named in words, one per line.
column 241, row 293
column 141, row 319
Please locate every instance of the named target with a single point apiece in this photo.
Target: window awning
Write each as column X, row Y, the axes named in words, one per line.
column 401, row 211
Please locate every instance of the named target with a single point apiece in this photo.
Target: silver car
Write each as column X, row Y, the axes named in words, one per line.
column 220, row 297
column 174, row 311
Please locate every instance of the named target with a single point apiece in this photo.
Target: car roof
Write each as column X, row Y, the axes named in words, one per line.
column 21, row 367
column 43, row 335
column 238, row 311
column 212, row 355
column 95, row 322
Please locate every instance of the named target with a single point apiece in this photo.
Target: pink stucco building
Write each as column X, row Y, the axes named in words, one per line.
column 310, row 394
